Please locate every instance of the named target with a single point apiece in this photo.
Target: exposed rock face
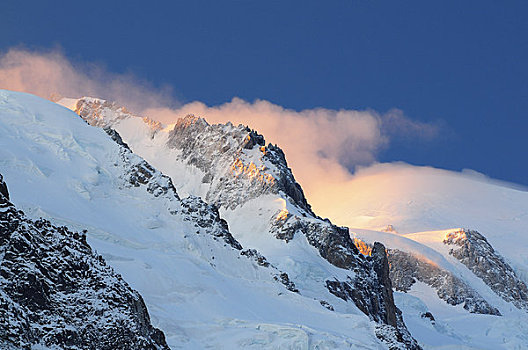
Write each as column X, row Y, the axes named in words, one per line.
column 285, row 280
column 286, row 181
column 218, row 150
column 105, row 114
column 55, row 292
column 3, row 189
column 406, row 269
column 474, row 251
column 137, row 172
column 206, row 217
column 279, row 276
column 381, row 266
column 116, row 137
column 332, row 241
column 376, row 299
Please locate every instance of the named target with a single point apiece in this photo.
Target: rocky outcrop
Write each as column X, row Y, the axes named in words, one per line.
column 114, row 135
column 473, row 250
column 206, row 217
column 3, row 189
column 406, row 269
column 332, row 242
column 105, row 114
column 286, row 181
column 371, row 291
column 381, row 266
column 285, row 280
column 219, row 151
column 56, row 292
column 137, row 172
column 371, row 288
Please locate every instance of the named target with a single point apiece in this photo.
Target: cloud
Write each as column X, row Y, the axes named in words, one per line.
column 323, row 146
column 320, row 144
column 49, row 74
column 397, row 125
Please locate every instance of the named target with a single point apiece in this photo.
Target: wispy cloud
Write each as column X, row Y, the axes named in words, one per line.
column 49, row 73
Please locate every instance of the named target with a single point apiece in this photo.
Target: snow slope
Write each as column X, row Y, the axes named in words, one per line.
column 199, row 290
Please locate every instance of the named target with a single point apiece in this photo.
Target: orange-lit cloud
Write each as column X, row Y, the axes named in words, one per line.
column 322, row 146
column 49, row 74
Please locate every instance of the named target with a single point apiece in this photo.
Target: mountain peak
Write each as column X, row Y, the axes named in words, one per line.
column 103, row 113
column 4, row 194
column 190, row 120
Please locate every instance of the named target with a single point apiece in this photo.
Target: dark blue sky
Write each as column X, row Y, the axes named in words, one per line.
column 463, row 63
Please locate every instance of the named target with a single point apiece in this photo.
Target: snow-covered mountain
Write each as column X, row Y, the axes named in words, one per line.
column 251, row 184
column 208, row 224
column 274, row 275
column 471, row 281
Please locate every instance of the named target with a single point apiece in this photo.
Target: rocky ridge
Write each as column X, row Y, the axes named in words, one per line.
column 139, row 173
column 406, row 269
column 476, row 253
column 56, row 292
column 105, row 114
